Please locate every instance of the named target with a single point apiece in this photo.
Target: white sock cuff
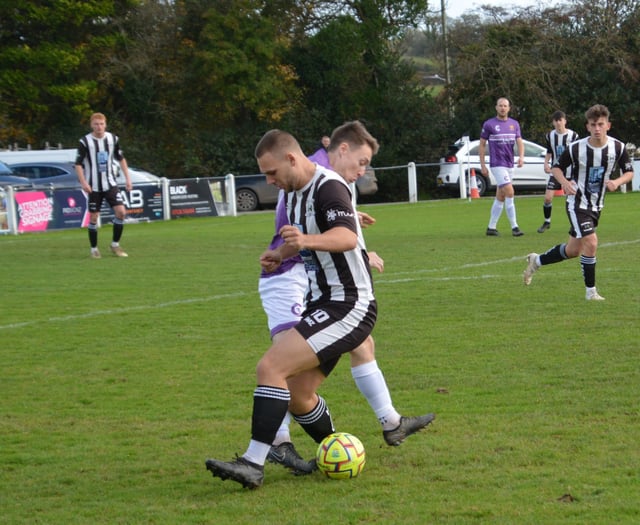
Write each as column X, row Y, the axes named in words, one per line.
column 365, row 370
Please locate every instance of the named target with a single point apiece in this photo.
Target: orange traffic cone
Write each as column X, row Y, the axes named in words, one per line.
column 559, row 193
column 475, row 194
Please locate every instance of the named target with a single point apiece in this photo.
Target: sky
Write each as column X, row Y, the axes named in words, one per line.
column 455, row 8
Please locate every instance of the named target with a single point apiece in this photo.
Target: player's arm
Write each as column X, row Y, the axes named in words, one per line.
column 270, row 260
column 547, row 163
column 626, row 167
column 375, row 261
column 614, row 184
column 125, row 169
column 337, row 222
column 337, row 239
column 520, row 144
column 481, row 151
column 82, row 152
column 558, row 171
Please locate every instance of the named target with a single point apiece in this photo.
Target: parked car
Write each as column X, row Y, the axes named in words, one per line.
column 463, row 156
column 9, row 178
column 368, row 183
column 253, row 192
column 63, row 174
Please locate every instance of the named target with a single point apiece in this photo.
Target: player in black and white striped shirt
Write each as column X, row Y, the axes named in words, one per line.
column 95, row 168
column 557, row 141
column 593, row 162
column 340, row 309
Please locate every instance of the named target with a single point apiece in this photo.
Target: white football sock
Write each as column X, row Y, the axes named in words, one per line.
column 510, row 208
column 283, row 436
column 371, row 383
column 257, row 452
column 496, row 211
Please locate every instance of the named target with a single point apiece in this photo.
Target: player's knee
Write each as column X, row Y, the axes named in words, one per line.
column 364, row 353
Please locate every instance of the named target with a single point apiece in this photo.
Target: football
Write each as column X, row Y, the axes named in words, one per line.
column 340, row 456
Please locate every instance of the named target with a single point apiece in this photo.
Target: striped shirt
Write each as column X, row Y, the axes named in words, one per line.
column 591, row 168
column 325, row 203
column 97, row 158
column 558, row 142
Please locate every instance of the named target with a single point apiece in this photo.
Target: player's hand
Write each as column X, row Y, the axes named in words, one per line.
column 292, row 237
column 270, row 261
column 375, row 261
column 365, row 219
column 520, row 162
column 570, row 188
column 612, row 185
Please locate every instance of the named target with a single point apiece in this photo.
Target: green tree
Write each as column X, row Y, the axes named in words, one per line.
column 212, row 74
column 50, row 53
column 352, row 67
column 568, row 57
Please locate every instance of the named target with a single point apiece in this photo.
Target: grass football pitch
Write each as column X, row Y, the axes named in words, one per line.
column 119, row 377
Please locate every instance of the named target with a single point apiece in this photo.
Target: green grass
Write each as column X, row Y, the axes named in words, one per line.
column 120, row 376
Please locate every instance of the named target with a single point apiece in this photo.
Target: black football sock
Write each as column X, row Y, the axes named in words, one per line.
column 270, row 404
column 118, row 226
column 588, row 270
column 93, row 234
column 554, row 255
column 317, row 423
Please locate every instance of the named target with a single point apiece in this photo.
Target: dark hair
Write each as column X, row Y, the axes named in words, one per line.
column 597, row 111
column 557, row 115
column 353, row 133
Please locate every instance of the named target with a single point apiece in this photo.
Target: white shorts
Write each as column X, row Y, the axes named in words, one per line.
column 502, row 175
column 282, row 297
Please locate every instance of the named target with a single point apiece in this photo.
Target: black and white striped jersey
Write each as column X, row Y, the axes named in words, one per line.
column 325, row 203
column 591, row 168
column 97, row 157
column 558, row 142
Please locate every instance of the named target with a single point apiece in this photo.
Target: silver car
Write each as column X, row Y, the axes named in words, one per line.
column 63, row 174
column 253, row 192
column 463, row 156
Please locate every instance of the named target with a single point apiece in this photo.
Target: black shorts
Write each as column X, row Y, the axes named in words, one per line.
column 583, row 222
column 553, row 184
column 112, row 196
column 335, row 328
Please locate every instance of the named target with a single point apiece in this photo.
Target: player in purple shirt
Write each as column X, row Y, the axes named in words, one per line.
column 502, row 133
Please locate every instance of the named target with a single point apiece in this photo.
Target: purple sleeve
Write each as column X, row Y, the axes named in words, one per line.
column 281, row 220
column 321, row 158
column 484, row 133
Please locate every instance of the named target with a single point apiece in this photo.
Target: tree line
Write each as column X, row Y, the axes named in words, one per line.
column 191, row 85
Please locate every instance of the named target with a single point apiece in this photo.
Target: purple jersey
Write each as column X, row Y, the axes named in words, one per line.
column 281, row 220
column 321, row 158
column 501, row 136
